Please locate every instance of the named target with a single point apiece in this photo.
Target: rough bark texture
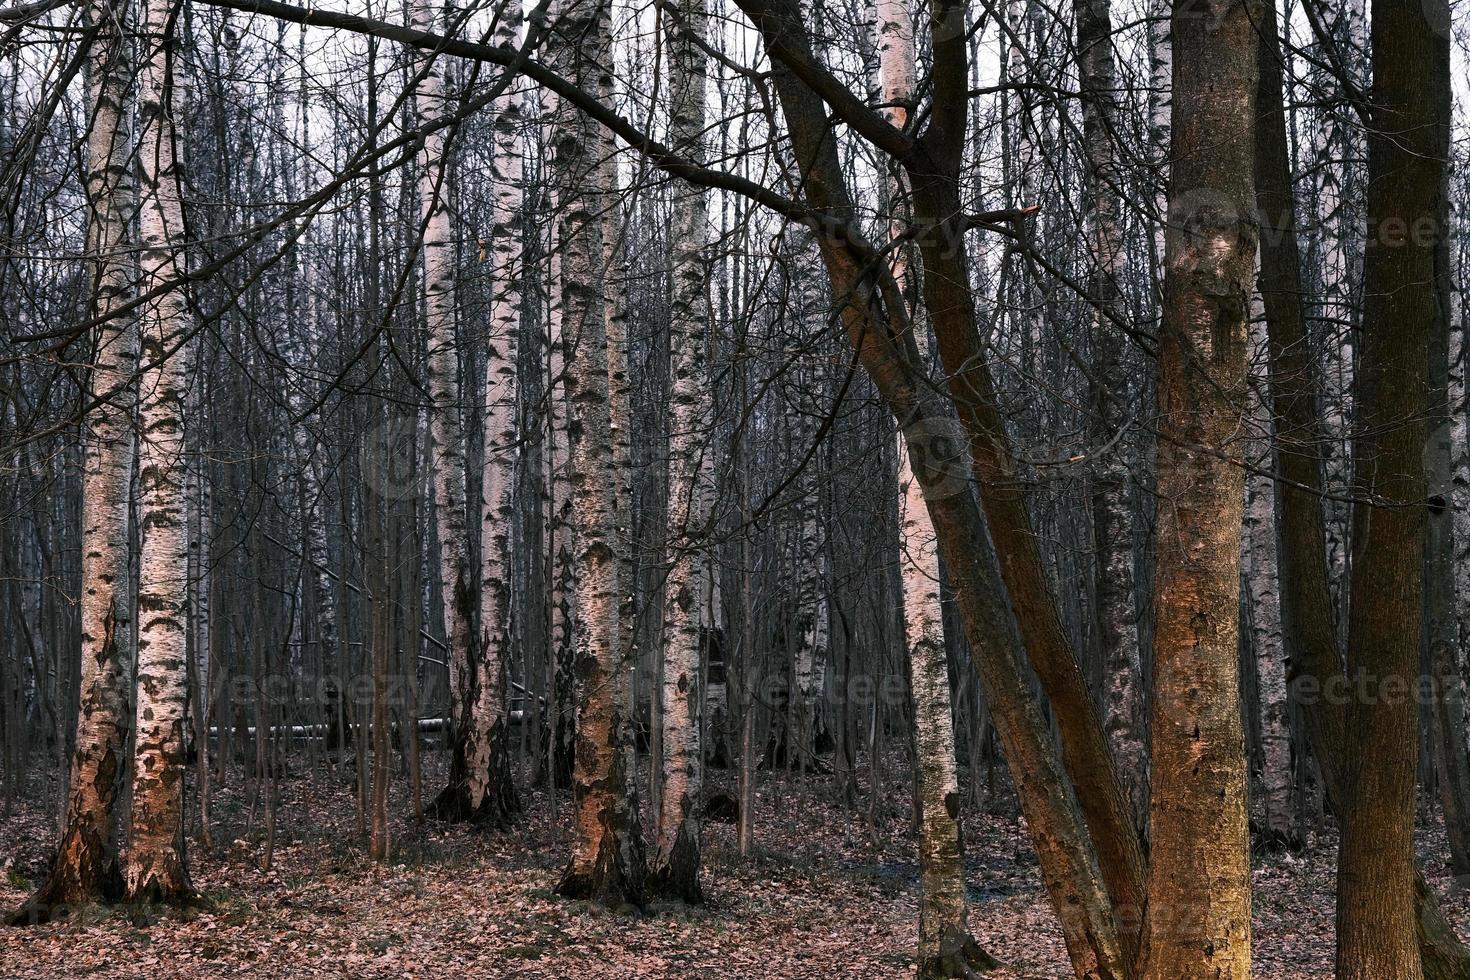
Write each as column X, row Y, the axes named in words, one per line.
column 607, row 861
column 675, row 871
column 1306, row 599
column 1407, row 149
column 85, row 866
column 156, row 869
column 1198, row 922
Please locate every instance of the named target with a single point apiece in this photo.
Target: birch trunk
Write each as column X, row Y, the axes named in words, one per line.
column 468, row 775
column 156, row 869
column 675, row 871
column 1160, row 115
column 607, row 862
column 1267, row 638
column 486, row 748
column 86, row 862
column 946, row 948
column 562, row 571
column 1338, row 151
column 1112, row 513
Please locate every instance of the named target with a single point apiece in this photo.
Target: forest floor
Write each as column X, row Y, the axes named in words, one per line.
column 823, row 897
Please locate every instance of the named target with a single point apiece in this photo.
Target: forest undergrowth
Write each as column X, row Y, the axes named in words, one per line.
column 827, row 894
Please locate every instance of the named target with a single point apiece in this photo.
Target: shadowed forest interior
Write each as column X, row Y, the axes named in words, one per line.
column 735, row 488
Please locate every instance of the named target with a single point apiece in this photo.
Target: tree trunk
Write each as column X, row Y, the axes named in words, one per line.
column 156, row 869
column 1407, row 149
column 1199, row 874
column 1069, row 864
column 86, row 863
column 675, row 870
column 1306, row 599
column 607, row 863
column 487, row 751
column 1112, row 511
column 1264, row 602
column 468, row 775
column 946, row 948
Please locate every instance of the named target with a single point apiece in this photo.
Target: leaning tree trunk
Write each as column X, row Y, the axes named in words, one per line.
column 156, row 869
column 468, row 777
column 1377, row 931
column 1069, row 864
column 607, row 861
column 85, row 867
column 675, row 870
column 1199, row 875
column 486, row 748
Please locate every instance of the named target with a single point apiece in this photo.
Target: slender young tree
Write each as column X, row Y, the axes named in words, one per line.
column 946, row 948
column 1260, row 567
column 1112, row 511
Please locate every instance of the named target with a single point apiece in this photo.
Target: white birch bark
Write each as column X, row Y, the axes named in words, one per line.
column 607, row 861
column 1339, row 148
column 85, row 857
column 1112, row 513
column 945, row 945
column 562, row 572
column 1160, row 111
column 1460, row 467
column 677, row 857
column 446, row 429
column 486, row 750
column 156, row 869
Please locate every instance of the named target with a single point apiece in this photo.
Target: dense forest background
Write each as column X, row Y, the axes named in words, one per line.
column 855, row 485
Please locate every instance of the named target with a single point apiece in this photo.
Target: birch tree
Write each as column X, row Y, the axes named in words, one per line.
column 465, row 796
column 607, row 860
column 490, row 785
column 86, row 863
column 675, row 868
column 156, row 869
